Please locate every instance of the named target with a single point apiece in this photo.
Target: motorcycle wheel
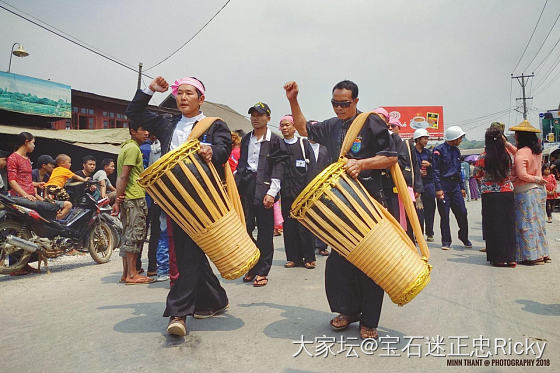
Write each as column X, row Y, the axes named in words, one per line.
column 14, row 228
column 101, row 243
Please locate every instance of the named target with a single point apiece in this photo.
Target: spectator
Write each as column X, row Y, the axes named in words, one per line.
column 466, row 174
column 45, row 166
column 493, row 169
column 21, row 184
column 551, row 195
column 3, row 174
column 106, row 189
column 54, row 188
column 235, row 151
column 473, row 183
column 530, row 196
column 88, row 168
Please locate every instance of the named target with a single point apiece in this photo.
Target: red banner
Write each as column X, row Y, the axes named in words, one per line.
column 415, row 117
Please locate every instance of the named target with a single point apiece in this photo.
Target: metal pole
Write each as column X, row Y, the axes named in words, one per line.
column 11, row 51
column 139, row 75
column 524, row 100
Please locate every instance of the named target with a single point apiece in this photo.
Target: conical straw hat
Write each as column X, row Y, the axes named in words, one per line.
column 525, row 126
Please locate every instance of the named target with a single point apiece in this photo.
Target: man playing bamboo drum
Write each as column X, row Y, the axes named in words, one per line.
column 197, row 291
column 350, row 292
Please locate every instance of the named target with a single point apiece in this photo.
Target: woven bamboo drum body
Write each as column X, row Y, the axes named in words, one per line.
column 340, row 211
column 190, row 191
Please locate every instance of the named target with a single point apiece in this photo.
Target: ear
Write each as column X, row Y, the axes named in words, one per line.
column 201, row 99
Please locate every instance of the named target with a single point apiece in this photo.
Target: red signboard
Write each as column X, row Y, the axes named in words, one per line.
column 415, row 117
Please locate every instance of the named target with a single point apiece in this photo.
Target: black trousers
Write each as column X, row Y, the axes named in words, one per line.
column 197, row 288
column 392, row 201
column 263, row 219
column 298, row 241
column 351, row 292
column 154, row 213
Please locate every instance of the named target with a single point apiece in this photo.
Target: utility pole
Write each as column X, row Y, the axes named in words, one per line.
column 139, row 75
column 523, row 83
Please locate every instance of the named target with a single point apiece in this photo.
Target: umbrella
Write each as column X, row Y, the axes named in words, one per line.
column 471, row 158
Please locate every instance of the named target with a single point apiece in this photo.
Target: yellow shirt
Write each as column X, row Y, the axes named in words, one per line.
column 59, row 176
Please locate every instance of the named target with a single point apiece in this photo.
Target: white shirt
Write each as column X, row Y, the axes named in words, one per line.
column 183, row 128
column 315, row 148
column 291, row 141
column 253, row 151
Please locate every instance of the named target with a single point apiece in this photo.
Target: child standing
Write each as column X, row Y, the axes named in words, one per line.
column 550, row 190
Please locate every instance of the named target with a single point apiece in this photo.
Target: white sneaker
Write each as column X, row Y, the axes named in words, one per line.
column 162, row 278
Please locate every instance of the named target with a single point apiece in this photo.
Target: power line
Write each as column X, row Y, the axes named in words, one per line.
column 544, row 41
column 477, row 119
column 549, row 53
column 529, row 41
column 191, row 38
column 74, row 42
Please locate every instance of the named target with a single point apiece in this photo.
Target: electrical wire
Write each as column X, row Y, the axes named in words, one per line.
column 531, row 38
column 542, row 44
column 191, row 38
column 80, row 44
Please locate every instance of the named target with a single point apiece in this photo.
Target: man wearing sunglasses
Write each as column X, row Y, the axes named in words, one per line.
column 350, row 292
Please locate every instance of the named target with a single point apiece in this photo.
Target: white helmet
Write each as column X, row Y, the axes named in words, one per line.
column 420, row 132
column 453, row 133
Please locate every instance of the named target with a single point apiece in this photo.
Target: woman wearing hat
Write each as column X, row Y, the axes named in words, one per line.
column 529, row 195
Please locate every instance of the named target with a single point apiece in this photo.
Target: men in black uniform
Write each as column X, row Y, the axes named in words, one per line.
column 299, row 169
column 258, row 177
column 197, row 291
column 349, row 291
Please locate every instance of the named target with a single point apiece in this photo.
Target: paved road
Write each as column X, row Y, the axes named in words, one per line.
column 79, row 318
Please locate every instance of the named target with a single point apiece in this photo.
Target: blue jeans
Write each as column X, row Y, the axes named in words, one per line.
column 162, row 251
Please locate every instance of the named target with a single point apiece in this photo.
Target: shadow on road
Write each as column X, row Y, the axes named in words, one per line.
column 312, row 323
column 469, row 259
column 539, row 308
column 148, row 319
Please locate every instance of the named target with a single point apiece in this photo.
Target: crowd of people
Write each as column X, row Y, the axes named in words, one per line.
column 271, row 170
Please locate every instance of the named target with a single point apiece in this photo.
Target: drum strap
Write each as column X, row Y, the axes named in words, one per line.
column 398, row 179
column 231, row 187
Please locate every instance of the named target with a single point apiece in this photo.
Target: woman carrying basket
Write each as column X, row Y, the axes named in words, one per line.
column 197, row 291
column 350, row 292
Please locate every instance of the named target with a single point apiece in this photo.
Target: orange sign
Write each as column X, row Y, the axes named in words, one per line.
column 415, row 117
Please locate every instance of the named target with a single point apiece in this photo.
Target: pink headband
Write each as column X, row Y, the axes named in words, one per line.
column 287, row 117
column 191, row 81
column 396, row 122
column 383, row 112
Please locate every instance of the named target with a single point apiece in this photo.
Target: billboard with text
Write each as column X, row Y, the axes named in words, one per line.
column 415, row 117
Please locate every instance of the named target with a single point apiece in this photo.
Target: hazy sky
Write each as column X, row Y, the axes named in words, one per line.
column 458, row 54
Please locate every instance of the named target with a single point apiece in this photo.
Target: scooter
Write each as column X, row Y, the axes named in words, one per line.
column 29, row 229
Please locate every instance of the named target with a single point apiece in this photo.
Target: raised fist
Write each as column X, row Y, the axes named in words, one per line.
column 292, row 90
column 159, row 84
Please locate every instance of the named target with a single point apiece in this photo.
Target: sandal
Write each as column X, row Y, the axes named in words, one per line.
column 140, row 280
column 259, row 282
column 324, row 252
column 310, row 265
column 368, row 333
column 547, row 259
column 248, row 278
column 343, row 321
column 289, row 264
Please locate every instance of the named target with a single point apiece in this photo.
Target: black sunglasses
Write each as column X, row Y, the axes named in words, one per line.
column 341, row 103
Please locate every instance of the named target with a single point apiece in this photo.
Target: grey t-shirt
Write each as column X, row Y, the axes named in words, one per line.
column 102, row 175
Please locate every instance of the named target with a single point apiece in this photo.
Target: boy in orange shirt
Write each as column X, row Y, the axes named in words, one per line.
column 54, row 188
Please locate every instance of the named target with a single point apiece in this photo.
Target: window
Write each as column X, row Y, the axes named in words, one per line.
column 105, row 124
column 83, row 110
column 111, row 115
column 90, row 111
column 74, row 109
column 104, row 113
column 91, row 123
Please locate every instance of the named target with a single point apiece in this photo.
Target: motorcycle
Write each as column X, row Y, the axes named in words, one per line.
column 29, row 229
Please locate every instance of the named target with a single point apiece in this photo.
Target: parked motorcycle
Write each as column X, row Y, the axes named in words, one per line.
column 29, row 229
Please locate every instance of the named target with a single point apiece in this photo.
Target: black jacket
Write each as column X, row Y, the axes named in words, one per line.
column 271, row 157
column 299, row 168
column 163, row 126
